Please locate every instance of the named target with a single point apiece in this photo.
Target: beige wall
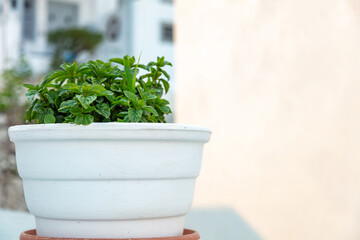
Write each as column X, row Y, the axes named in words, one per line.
column 278, row 82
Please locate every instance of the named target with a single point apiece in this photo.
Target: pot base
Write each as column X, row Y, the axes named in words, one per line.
column 144, row 228
column 187, row 235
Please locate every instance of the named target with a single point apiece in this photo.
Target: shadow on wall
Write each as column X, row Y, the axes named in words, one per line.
column 220, row 224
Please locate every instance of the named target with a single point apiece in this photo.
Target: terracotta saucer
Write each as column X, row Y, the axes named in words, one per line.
column 188, row 235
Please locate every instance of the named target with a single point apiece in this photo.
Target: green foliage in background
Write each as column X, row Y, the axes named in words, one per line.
column 12, row 106
column 98, row 91
column 11, row 82
column 72, row 40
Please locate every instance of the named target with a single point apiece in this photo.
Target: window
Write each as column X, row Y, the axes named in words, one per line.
column 13, row 3
column 120, row 3
column 62, row 15
column 29, row 20
column 113, row 28
column 167, row 32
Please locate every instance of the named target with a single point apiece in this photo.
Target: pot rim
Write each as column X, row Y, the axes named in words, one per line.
column 111, row 125
column 110, row 131
column 188, row 235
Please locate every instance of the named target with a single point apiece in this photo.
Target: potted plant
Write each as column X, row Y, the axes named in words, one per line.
column 102, row 162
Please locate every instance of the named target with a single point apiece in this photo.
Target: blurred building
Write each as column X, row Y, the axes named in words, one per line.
column 128, row 26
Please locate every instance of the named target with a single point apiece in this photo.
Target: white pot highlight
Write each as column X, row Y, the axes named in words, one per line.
column 109, row 180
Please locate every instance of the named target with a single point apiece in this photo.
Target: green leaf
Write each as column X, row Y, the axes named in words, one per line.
column 128, row 74
column 59, row 119
column 111, row 98
column 39, row 105
column 52, row 76
column 77, row 110
column 54, row 85
column 158, row 90
column 125, row 119
column 43, row 112
column 62, row 92
column 29, row 86
column 124, row 86
column 148, row 96
column 31, row 95
column 103, row 109
column 100, row 99
column 142, row 66
column 164, row 109
column 134, row 114
column 69, row 119
column 29, row 112
column 117, row 60
column 122, row 114
column 72, row 87
column 163, row 102
column 86, row 101
column 84, row 119
column 166, row 85
column 167, row 63
column 134, row 77
column 146, row 76
column 140, row 91
column 100, row 90
column 165, row 73
column 51, row 96
column 139, row 104
column 131, row 96
column 143, row 84
column 49, row 118
column 150, row 109
column 71, row 68
column 115, row 87
column 67, row 105
column 85, row 88
column 120, row 101
column 89, row 109
column 150, row 64
column 160, row 61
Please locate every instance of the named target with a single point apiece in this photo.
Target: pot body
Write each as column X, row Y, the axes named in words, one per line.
column 109, row 180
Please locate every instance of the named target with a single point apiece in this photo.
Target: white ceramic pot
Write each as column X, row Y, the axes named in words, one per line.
column 109, row 180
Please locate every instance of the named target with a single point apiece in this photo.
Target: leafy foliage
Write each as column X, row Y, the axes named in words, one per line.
column 72, row 41
column 12, row 106
column 11, row 80
column 99, row 91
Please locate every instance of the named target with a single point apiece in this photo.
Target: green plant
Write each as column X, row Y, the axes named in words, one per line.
column 12, row 106
column 10, row 91
column 72, row 41
column 97, row 91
